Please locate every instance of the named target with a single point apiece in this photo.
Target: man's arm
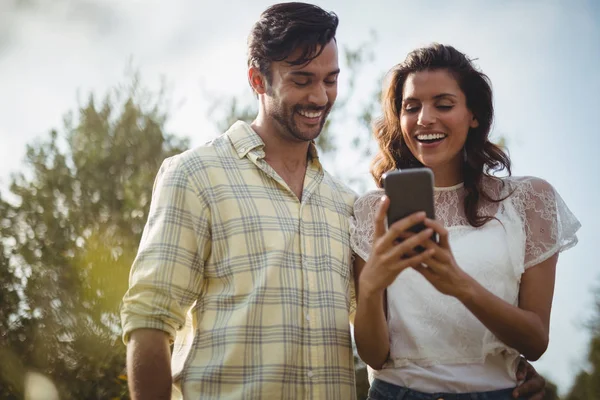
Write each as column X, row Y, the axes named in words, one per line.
column 149, row 365
column 534, row 386
column 166, row 278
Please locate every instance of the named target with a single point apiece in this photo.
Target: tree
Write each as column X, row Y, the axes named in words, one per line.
column 551, row 392
column 587, row 383
column 11, row 331
column 72, row 233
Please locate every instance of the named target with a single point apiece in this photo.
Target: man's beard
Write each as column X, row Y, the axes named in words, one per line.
column 285, row 116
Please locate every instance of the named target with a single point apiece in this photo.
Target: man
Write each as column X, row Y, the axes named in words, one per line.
column 249, row 235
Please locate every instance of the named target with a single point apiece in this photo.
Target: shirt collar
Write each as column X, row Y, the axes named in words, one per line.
column 244, row 139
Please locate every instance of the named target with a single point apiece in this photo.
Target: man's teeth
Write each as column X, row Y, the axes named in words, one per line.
column 431, row 136
column 310, row 114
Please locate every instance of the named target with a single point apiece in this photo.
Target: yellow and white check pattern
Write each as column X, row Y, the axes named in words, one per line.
column 265, row 277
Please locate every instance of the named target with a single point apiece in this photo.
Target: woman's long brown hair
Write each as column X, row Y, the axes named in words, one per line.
column 482, row 156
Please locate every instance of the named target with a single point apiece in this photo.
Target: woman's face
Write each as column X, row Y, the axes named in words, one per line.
column 435, row 119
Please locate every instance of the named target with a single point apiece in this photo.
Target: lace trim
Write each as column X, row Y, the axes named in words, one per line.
column 548, row 223
column 449, row 188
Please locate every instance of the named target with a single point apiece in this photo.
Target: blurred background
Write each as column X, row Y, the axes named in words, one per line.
column 94, row 94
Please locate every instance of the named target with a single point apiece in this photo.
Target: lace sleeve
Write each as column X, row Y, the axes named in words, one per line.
column 361, row 225
column 550, row 227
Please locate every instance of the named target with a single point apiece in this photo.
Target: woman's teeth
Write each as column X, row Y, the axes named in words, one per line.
column 430, row 137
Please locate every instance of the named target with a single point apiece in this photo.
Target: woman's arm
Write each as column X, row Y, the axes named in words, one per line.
column 370, row 323
column 387, row 259
column 524, row 328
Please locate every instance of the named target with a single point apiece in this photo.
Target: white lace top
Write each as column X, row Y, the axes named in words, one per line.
column 434, row 333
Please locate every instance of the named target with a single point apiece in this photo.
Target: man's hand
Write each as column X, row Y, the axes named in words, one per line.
column 149, row 365
column 533, row 387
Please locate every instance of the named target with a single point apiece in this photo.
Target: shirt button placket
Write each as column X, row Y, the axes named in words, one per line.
column 310, row 285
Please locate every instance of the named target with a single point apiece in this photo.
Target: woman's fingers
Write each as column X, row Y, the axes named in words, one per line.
column 380, row 218
column 407, row 246
column 440, row 253
column 414, row 261
column 425, row 271
column 434, row 264
column 440, row 230
column 397, row 229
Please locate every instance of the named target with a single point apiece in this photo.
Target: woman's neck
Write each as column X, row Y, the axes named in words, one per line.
column 448, row 175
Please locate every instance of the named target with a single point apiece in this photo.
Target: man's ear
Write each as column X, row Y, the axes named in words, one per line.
column 257, row 80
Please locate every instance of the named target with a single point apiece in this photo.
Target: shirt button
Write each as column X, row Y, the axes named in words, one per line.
column 242, row 149
column 307, row 317
column 310, row 374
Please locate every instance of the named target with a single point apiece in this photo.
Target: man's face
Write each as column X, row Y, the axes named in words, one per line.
column 299, row 98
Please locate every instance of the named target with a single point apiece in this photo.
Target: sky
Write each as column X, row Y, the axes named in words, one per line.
column 541, row 57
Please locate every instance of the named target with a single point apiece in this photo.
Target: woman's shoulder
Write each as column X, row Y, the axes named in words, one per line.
column 517, row 187
column 370, row 197
column 533, row 182
column 527, row 188
column 365, row 205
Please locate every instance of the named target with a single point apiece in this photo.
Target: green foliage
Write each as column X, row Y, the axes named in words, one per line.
column 551, row 392
column 587, row 383
column 71, row 235
column 361, row 378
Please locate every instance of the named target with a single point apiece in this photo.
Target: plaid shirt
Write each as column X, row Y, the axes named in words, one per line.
column 264, row 279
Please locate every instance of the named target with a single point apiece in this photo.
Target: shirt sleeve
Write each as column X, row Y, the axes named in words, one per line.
column 362, row 228
column 166, row 275
column 550, row 227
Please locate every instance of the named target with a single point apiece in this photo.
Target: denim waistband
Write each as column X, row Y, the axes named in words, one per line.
column 381, row 390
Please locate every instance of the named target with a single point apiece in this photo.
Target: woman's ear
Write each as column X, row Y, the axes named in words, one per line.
column 474, row 123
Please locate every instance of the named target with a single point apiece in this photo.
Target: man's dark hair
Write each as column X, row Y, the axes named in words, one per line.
column 285, row 27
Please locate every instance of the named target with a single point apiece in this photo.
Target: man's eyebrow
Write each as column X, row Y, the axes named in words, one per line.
column 310, row 74
column 301, row 73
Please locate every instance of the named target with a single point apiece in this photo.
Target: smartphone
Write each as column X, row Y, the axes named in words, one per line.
column 409, row 191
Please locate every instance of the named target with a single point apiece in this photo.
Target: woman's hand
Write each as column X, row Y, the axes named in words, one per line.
column 388, row 256
column 440, row 269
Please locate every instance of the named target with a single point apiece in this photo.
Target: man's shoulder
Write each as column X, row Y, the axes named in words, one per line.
column 199, row 158
column 338, row 186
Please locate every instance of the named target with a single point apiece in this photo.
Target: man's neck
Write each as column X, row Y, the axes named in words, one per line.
column 283, row 151
column 288, row 157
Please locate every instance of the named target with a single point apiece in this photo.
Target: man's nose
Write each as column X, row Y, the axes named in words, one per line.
column 318, row 95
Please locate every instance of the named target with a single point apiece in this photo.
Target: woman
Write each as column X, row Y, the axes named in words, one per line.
column 455, row 318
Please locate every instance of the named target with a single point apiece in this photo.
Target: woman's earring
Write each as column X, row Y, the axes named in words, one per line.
column 464, row 154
